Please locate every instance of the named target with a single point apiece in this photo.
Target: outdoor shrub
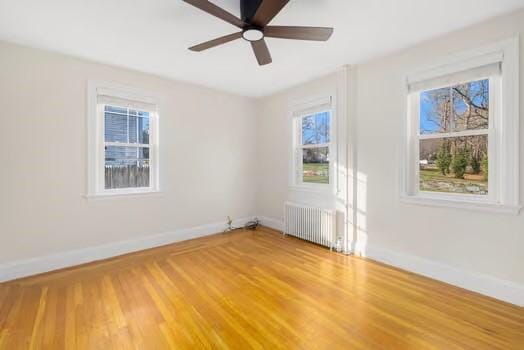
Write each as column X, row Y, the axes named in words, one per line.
column 475, row 165
column 443, row 159
column 459, row 165
column 485, row 168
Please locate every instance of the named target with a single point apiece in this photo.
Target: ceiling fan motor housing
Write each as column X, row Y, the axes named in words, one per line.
column 248, row 8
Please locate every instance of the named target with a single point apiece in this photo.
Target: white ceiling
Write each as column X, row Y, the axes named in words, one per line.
column 153, row 35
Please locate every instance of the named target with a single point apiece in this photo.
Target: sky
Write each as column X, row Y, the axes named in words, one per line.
column 316, row 128
column 427, row 125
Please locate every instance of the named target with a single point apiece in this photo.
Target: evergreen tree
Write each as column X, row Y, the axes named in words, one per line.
column 459, row 164
column 443, row 158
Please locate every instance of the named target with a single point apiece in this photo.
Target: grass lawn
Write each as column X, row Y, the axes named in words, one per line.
column 433, row 180
column 316, row 173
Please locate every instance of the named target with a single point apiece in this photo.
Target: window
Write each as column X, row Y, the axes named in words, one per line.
column 460, row 131
column 123, row 142
column 126, row 147
column 313, row 151
column 454, row 137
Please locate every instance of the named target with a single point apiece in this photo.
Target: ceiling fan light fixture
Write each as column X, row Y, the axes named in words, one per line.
column 252, row 34
column 253, row 25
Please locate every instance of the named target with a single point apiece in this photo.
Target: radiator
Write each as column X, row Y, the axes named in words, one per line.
column 316, row 225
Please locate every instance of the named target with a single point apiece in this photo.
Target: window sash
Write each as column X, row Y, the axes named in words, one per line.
column 317, row 145
column 123, row 144
column 300, row 147
column 151, row 146
column 447, row 135
column 128, row 120
column 416, row 137
column 503, row 150
column 300, row 119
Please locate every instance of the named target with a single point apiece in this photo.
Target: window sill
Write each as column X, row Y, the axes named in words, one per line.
column 115, row 195
column 462, row 204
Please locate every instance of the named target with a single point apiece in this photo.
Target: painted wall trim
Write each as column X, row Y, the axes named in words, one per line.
column 487, row 285
column 272, row 223
column 23, row 268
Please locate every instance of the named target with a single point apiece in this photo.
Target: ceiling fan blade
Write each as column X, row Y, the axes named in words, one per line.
column 299, row 33
column 261, row 52
column 267, row 10
column 216, row 11
column 215, row 42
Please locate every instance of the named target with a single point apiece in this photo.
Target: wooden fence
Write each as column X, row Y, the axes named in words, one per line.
column 125, row 176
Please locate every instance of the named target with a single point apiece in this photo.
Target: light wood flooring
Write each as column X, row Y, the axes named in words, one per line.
column 249, row 290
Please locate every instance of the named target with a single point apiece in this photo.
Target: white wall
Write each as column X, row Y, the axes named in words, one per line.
column 471, row 245
column 274, row 142
column 207, row 150
column 209, row 141
column 486, row 243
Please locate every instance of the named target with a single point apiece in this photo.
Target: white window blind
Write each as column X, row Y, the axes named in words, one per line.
column 310, row 108
column 476, row 73
column 127, row 103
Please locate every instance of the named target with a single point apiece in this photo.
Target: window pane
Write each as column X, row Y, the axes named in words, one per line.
column 316, row 129
column 113, row 109
column 455, row 108
column 471, row 105
column 127, row 153
column 133, row 129
column 315, row 165
column 126, row 167
column 143, row 130
column 115, row 127
column 454, row 165
column 128, row 174
column 435, row 111
column 126, row 128
column 138, row 130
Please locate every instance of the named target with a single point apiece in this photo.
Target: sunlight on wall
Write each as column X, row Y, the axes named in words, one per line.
column 341, row 206
column 361, row 235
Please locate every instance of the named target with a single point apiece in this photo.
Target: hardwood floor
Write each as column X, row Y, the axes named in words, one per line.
column 248, row 290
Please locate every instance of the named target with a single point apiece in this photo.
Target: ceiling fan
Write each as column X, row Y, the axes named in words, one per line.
column 255, row 17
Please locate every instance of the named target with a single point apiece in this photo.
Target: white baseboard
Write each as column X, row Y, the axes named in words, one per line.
column 487, row 285
column 271, row 223
column 500, row 289
column 33, row 266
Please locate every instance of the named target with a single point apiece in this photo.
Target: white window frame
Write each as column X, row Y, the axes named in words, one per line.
column 96, row 139
column 301, row 110
column 503, row 131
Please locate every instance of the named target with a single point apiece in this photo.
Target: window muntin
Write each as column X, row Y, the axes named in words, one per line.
column 453, row 139
column 314, row 148
column 127, row 163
